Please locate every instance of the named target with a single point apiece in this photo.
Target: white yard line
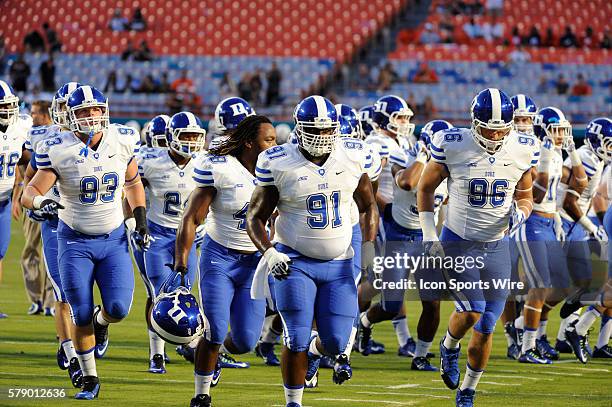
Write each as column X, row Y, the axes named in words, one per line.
column 398, row 403
column 390, row 393
column 519, row 377
column 403, row 386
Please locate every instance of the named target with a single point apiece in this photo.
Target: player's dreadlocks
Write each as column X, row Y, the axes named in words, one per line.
column 247, row 130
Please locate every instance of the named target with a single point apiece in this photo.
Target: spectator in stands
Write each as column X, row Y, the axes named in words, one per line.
column 143, row 53
column 129, row 52
column 183, row 84
column 495, row 7
column 494, row 31
column 518, row 56
column 605, row 43
column 53, row 43
column 533, row 39
column 164, row 84
column 274, row 77
column 427, row 110
column 364, row 78
column 47, row 75
column 472, row 29
column 542, row 87
column 111, row 82
column 411, row 101
column 549, row 40
column 515, row 39
column 256, row 85
column 589, row 38
column 568, row 39
column 425, row 74
column 118, row 22
column 581, row 87
column 227, row 87
column 174, row 103
column 34, row 42
column 562, row 85
column 387, row 76
column 148, row 85
column 138, row 22
column 2, row 54
column 244, row 87
column 19, row 73
column 429, row 35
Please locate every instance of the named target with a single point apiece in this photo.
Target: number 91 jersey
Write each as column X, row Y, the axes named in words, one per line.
column 90, row 186
column 11, row 145
column 314, row 201
column 480, row 185
column 168, row 186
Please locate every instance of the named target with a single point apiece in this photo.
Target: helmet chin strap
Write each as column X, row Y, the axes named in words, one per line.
column 85, row 150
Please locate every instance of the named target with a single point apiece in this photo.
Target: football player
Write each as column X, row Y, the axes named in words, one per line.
column 595, row 153
column 393, row 130
column 225, row 180
column 168, row 179
column 313, row 184
column 14, row 131
column 538, row 238
column 66, row 354
column 489, row 181
column 95, row 163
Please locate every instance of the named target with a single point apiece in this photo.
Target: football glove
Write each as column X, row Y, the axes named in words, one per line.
column 517, row 218
column 278, row 263
column 558, row 224
column 46, row 206
column 176, row 278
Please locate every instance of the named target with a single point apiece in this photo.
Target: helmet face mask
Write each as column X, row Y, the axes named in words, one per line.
column 187, row 141
column 176, row 316
column 59, row 112
column 525, row 111
column 156, row 131
column 523, row 123
column 86, row 124
column 317, row 138
column 399, row 124
column 489, row 139
column 9, row 110
column 551, row 123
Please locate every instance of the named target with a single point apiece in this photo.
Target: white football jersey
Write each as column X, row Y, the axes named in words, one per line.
column 395, row 147
column 226, row 219
column 593, row 167
column 480, row 185
column 11, row 146
column 404, row 209
column 36, row 135
column 314, row 201
column 607, row 177
column 90, row 186
column 168, row 188
column 555, row 172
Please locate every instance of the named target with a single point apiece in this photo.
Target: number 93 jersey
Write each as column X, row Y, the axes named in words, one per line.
column 480, row 185
column 169, row 187
column 11, row 145
column 314, row 201
column 226, row 219
column 90, row 186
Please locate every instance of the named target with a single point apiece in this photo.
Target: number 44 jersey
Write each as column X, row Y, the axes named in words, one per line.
column 481, row 185
column 315, row 201
column 90, row 186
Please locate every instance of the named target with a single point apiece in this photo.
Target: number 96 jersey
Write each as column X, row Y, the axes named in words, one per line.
column 314, row 201
column 90, row 186
column 169, row 187
column 480, row 185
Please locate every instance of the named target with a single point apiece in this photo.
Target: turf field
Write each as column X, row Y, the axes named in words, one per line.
column 28, row 346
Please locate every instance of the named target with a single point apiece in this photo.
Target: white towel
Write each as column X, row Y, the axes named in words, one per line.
column 260, row 289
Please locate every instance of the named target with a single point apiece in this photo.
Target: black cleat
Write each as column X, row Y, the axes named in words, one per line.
column 75, row 373
column 201, row 400
column 101, row 334
column 90, row 390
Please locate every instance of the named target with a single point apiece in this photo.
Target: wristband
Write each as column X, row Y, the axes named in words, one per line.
column 428, row 224
column 37, row 201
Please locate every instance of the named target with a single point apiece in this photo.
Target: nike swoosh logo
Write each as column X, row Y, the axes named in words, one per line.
column 338, row 173
column 111, row 156
column 214, row 262
column 507, row 164
column 70, row 242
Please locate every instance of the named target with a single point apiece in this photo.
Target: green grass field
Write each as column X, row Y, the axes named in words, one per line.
column 28, row 346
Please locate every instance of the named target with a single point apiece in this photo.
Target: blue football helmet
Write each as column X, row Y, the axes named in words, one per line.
column 58, row 112
column 231, row 111
column 598, row 137
column 87, row 97
column 366, row 115
column 350, row 116
column 551, row 122
column 9, row 104
column 316, row 125
column 491, row 109
column 176, row 316
column 185, row 123
column 155, row 132
column 392, row 113
column 432, row 128
column 525, row 110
